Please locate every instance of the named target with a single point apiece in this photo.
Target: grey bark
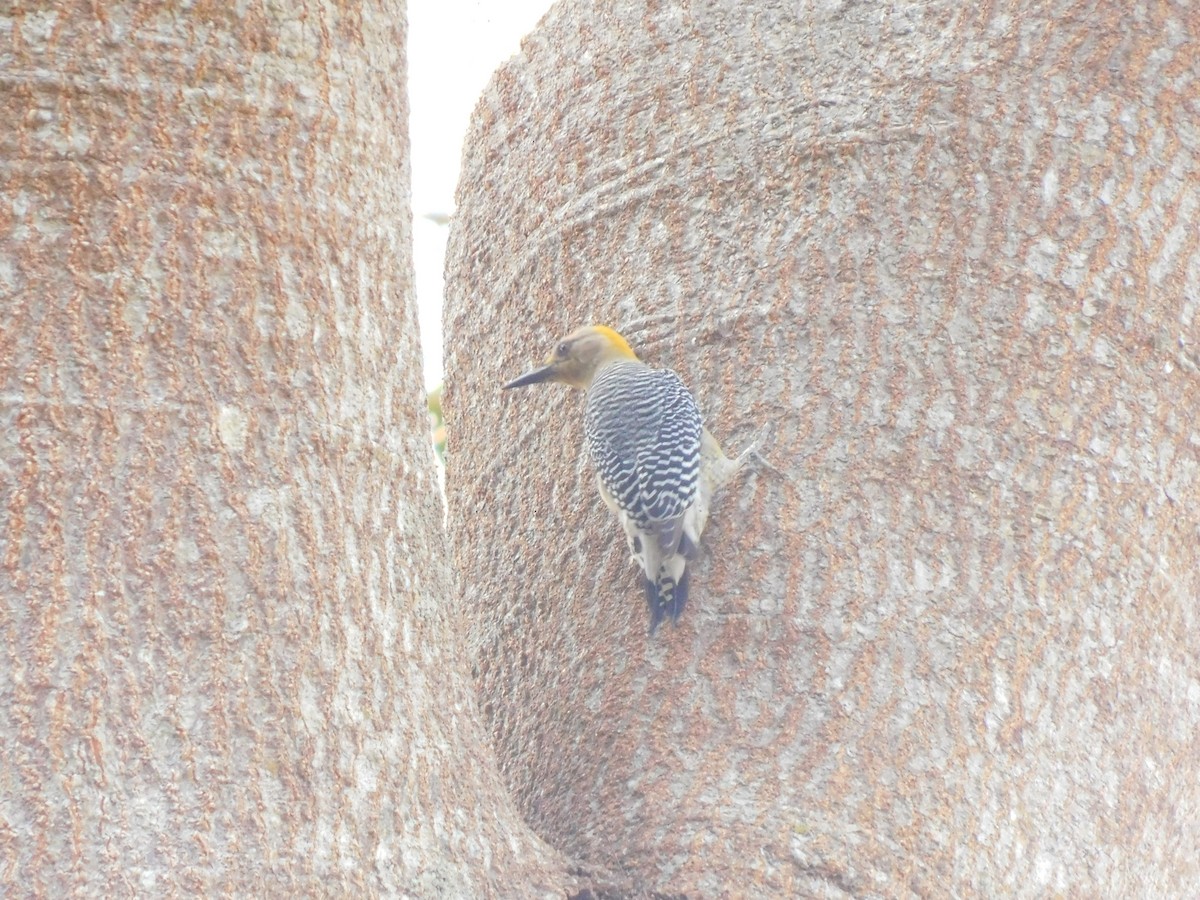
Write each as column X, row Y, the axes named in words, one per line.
column 229, row 662
column 948, row 254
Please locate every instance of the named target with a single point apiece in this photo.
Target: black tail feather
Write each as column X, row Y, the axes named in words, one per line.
column 666, row 597
column 679, row 597
column 656, row 613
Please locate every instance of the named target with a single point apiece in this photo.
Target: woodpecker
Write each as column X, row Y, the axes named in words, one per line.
column 656, row 464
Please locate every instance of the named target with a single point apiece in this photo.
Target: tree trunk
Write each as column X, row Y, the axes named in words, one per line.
column 947, row 255
column 230, row 653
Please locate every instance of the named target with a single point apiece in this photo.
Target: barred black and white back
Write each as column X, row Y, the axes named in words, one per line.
column 644, row 435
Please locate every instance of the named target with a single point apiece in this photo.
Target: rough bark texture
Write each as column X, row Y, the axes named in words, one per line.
column 228, row 663
column 948, row 253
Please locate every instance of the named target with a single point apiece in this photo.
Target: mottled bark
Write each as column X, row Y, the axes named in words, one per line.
column 229, row 654
column 948, row 254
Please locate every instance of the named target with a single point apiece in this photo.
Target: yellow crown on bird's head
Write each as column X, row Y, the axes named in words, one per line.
column 577, row 358
column 615, row 339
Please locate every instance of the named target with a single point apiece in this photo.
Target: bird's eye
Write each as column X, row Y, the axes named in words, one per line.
column 562, row 349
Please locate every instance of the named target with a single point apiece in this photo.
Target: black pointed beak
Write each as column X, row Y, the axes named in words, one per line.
column 537, row 376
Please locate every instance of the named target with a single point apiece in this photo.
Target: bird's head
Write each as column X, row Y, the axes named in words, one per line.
column 578, row 357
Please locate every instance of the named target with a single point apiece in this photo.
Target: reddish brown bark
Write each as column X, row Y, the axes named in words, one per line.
column 229, row 654
column 948, row 254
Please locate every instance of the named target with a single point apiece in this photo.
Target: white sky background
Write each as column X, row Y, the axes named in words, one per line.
column 454, row 46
